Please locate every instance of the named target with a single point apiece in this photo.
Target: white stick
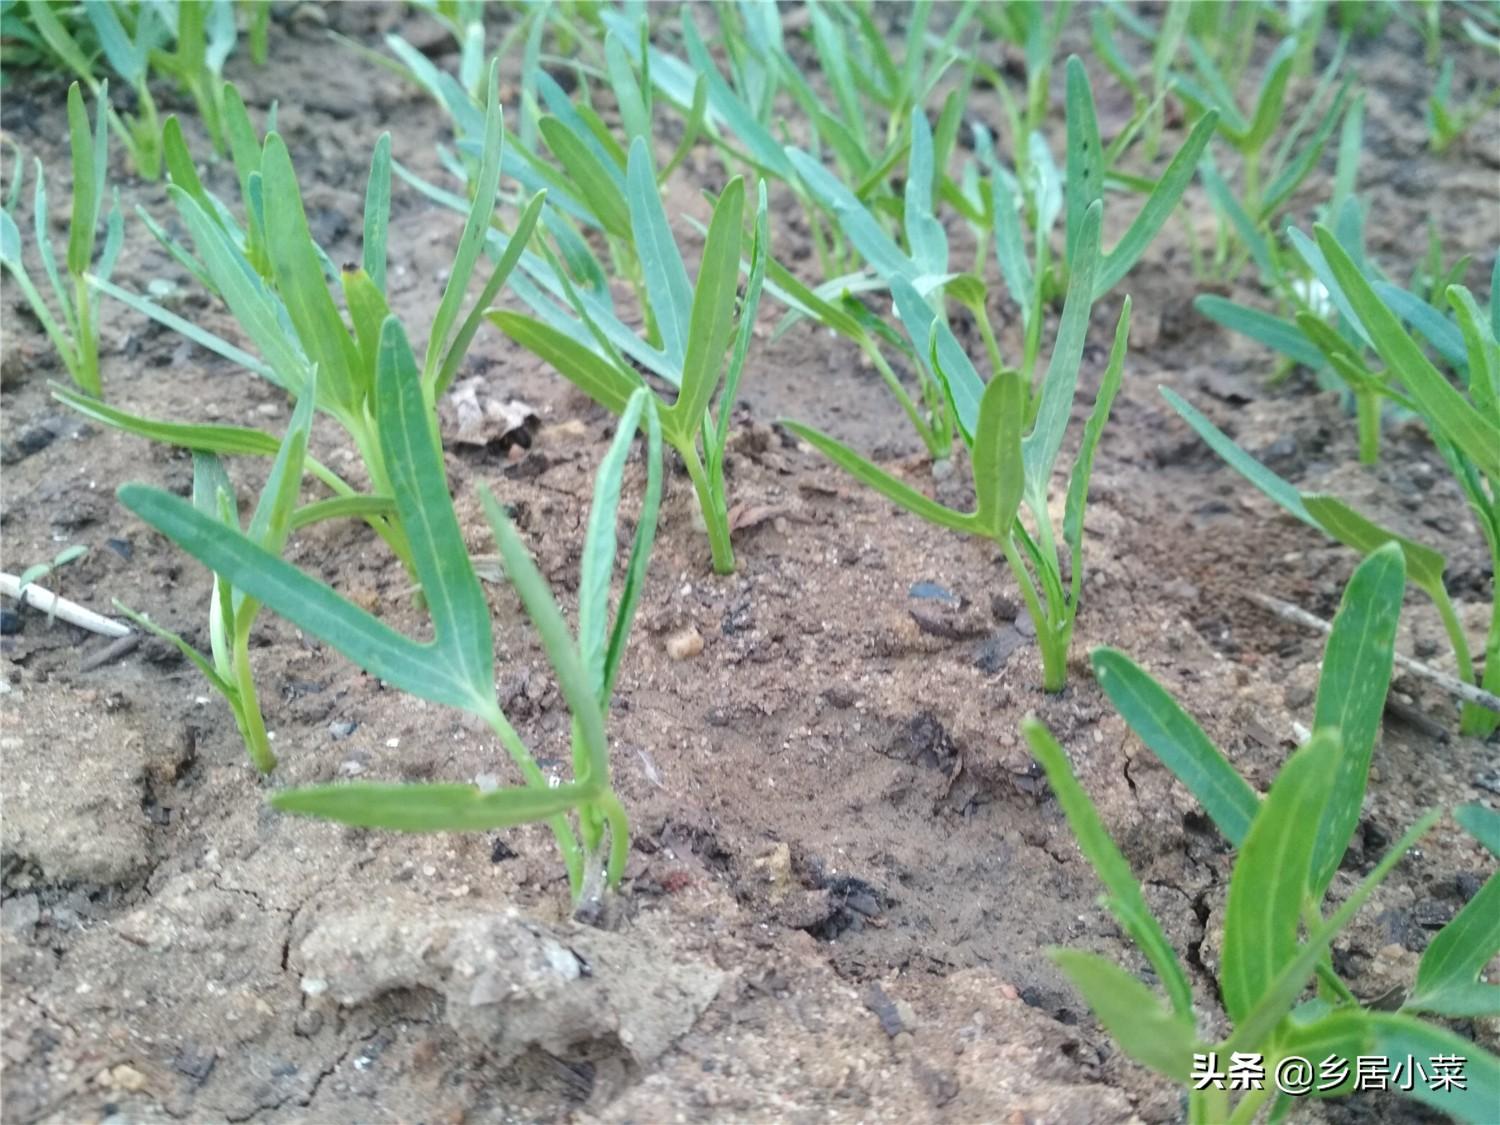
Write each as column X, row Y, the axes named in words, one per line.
column 1467, row 692
column 71, row 612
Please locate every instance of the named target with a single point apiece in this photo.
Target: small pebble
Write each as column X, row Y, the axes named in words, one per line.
column 685, row 645
column 126, row 1077
column 342, row 729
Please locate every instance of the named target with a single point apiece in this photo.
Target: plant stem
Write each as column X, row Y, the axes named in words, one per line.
column 247, row 705
column 1476, row 720
column 567, row 842
column 88, row 340
column 1367, row 413
column 715, row 513
column 1054, row 661
column 935, row 446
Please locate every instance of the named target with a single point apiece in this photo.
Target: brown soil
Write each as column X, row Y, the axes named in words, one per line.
column 846, row 869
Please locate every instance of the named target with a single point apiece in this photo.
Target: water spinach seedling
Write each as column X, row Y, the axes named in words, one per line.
column 231, row 613
column 74, row 332
column 705, row 330
column 1010, row 465
column 457, row 667
column 274, row 277
column 1290, row 844
column 1465, row 429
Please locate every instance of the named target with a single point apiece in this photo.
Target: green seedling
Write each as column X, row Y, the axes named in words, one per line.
column 456, row 668
column 1010, row 465
column 187, row 42
column 231, row 613
column 1247, row 207
column 704, row 328
column 275, row 279
column 38, row 571
column 1448, row 121
column 1465, row 429
column 74, row 329
column 1289, row 846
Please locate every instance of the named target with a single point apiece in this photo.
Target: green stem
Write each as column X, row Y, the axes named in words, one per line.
column 567, row 842
column 619, row 836
column 1367, row 413
column 1476, row 720
column 1455, row 631
column 247, row 704
column 1054, row 659
column 715, row 514
column 937, row 448
column 1250, row 1104
column 88, row 340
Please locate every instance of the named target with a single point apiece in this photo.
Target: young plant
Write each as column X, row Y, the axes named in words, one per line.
column 1446, row 120
column 919, row 273
column 188, row 42
column 74, row 330
column 231, row 613
column 1268, row 176
column 1009, row 465
column 275, row 277
column 1290, row 845
column 457, row 668
column 37, row 571
column 705, row 330
column 1466, row 430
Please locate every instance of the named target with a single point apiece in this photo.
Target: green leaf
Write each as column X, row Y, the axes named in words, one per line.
column 924, row 233
column 712, row 322
column 90, row 165
column 1157, row 209
column 1248, row 467
column 1083, row 465
column 640, row 555
column 1482, row 823
column 1423, row 564
column 1132, row 1014
column 271, row 523
column 196, row 658
column 999, row 474
column 667, row 285
column 414, row 459
column 1276, row 1001
column 298, row 270
column 1171, row 734
column 377, row 212
column 471, row 242
column 599, row 545
column 228, row 440
column 1270, row 878
column 1448, row 977
column 591, row 373
column 1061, row 381
column 429, row 807
column 572, row 678
column 1262, row 327
column 514, row 249
column 1124, row 898
column 1401, row 1037
column 1356, row 674
column 882, row 482
column 1443, row 407
column 1085, row 157
column 589, row 176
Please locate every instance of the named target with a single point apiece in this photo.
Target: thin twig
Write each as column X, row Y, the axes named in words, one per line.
column 1455, row 687
column 71, row 612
